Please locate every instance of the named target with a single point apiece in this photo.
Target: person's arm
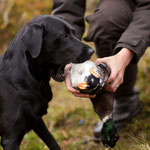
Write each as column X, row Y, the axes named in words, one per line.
column 131, row 45
column 137, row 36
column 72, row 11
column 116, row 63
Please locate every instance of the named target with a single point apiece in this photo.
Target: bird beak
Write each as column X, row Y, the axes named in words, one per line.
column 82, row 85
column 95, row 74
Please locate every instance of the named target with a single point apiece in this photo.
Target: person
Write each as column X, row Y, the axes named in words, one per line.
column 120, row 30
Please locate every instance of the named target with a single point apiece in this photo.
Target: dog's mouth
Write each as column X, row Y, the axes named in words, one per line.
column 58, row 74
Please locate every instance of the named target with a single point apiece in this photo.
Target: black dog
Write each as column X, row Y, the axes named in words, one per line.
column 39, row 51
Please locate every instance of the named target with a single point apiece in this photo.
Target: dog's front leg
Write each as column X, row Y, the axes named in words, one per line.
column 103, row 106
column 9, row 144
column 41, row 130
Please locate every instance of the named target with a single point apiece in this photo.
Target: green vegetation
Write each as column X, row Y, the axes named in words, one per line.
column 71, row 120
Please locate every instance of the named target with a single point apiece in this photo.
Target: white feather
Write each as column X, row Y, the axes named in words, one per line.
column 80, row 71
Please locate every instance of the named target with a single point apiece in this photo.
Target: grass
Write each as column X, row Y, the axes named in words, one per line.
column 71, row 120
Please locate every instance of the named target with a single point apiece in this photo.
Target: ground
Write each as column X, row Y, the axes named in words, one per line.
column 70, row 119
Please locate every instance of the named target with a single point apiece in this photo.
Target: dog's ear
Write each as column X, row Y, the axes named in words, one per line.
column 32, row 39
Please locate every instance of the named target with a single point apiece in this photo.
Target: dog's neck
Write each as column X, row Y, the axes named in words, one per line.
column 38, row 69
column 16, row 69
column 20, row 62
column 44, row 71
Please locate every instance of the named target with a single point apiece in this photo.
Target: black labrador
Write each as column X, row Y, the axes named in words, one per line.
column 39, row 51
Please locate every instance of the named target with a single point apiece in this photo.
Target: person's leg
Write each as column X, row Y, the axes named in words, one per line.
column 127, row 103
column 107, row 24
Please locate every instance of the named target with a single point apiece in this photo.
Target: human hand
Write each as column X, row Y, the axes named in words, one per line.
column 69, row 87
column 117, row 64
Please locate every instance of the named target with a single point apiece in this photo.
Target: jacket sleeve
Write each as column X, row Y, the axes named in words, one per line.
column 137, row 36
column 72, row 11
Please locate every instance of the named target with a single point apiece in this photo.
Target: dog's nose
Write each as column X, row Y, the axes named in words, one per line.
column 90, row 51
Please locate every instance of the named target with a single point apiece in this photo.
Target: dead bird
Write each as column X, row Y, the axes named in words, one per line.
column 91, row 78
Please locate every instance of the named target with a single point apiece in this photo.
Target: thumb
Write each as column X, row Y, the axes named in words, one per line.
column 99, row 60
column 67, row 68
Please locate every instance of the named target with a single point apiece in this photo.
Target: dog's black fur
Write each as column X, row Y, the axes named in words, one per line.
column 39, row 51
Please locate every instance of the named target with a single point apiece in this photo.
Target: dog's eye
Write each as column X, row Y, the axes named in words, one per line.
column 73, row 31
column 64, row 36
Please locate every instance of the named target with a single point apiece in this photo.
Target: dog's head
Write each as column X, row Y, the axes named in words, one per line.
column 51, row 42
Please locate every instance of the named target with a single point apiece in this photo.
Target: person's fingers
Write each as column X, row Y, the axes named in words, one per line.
column 114, row 84
column 99, row 60
column 111, row 78
column 112, row 87
column 67, row 68
column 69, row 86
column 68, row 83
column 84, row 95
column 103, row 60
column 72, row 90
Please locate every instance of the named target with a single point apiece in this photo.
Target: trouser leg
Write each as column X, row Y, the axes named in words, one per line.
column 107, row 24
column 127, row 103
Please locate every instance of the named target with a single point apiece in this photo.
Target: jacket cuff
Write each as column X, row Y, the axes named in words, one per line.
column 134, row 43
